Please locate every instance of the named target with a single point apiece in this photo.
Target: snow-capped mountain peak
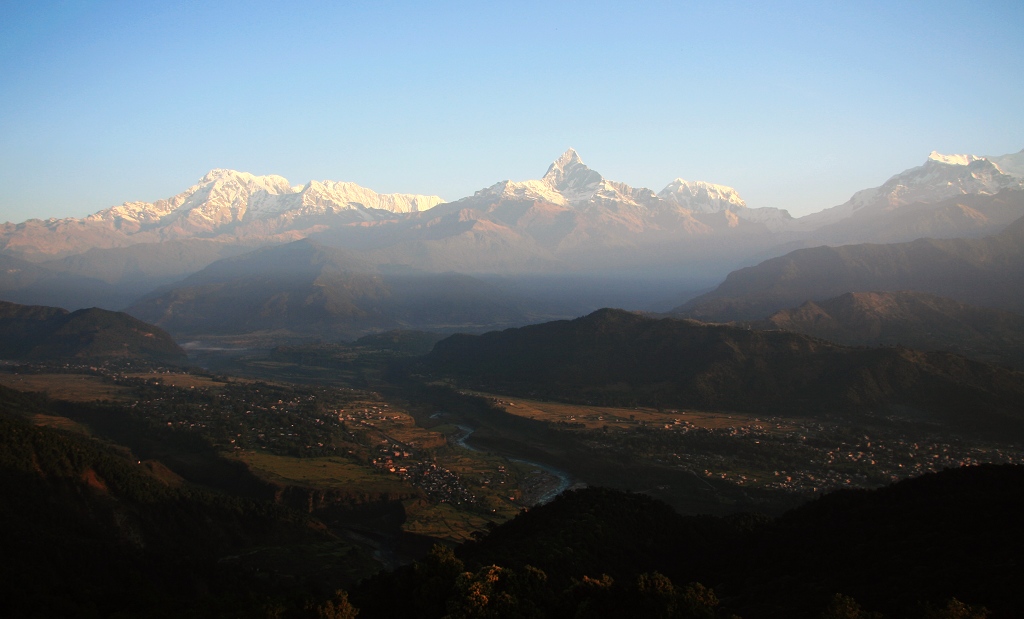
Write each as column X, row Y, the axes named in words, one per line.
column 571, row 177
column 568, row 158
column 532, row 190
column 702, row 197
column 940, row 177
column 223, row 197
column 952, row 159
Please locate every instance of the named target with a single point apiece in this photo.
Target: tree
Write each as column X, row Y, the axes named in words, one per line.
column 955, row 609
column 338, row 607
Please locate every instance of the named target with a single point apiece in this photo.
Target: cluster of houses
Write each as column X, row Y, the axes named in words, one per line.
column 240, row 415
column 825, row 465
column 439, row 483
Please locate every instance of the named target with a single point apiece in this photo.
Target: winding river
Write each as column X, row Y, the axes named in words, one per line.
column 565, row 480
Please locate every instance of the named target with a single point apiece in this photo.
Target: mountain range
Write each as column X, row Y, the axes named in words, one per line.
column 578, row 203
column 941, row 177
column 225, row 204
column 986, row 271
column 628, row 246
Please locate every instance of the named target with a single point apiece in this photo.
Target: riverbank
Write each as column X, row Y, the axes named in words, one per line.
column 542, row 482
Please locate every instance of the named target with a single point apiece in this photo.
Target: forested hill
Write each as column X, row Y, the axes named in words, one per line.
column 913, row 319
column 86, row 531
column 940, row 546
column 38, row 333
column 613, row 357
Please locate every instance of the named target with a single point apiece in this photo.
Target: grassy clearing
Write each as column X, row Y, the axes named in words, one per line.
column 327, row 472
column 182, row 381
column 444, row 521
column 69, row 387
column 596, row 417
column 405, row 430
column 60, row 423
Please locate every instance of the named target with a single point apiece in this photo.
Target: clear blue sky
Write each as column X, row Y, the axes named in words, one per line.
column 797, row 104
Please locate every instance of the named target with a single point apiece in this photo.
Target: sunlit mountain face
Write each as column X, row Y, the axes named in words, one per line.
column 571, row 222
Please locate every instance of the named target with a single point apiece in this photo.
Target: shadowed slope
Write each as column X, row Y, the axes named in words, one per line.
column 38, row 333
column 987, row 272
column 613, row 357
column 913, row 319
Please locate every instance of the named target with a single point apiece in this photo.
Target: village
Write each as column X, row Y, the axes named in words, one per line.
column 794, row 455
column 800, row 456
column 404, row 459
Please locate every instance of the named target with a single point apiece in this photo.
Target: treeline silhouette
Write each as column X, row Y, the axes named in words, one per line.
column 942, row 545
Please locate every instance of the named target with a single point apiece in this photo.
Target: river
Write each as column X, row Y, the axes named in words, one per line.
column 565, row 480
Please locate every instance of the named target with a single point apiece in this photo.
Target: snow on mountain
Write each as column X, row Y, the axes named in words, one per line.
column 568, row 181
column 223, row 205
column 220, row 195
column 952, row 159
column 571, row 208
column 939, row 178
column 224, row 197
column 533, row 190
column 702, row 197
column 572, row 178
column 579, row 184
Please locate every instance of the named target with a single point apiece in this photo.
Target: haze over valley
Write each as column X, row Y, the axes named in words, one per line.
column 602, row 242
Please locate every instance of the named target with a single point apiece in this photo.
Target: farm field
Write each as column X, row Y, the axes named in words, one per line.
column 349, row 446
column 596, row 417
column 326, row 473
column 69, row 387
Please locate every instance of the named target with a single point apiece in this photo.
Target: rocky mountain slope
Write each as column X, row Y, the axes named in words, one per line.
column 571, row 220
column 988, row 272
column 224, row 204
column 939, row 178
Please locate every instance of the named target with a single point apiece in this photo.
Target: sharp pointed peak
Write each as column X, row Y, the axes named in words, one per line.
column 569, row 156
column 568, row 165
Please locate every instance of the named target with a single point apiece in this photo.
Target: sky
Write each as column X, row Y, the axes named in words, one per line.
column 797, row 105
